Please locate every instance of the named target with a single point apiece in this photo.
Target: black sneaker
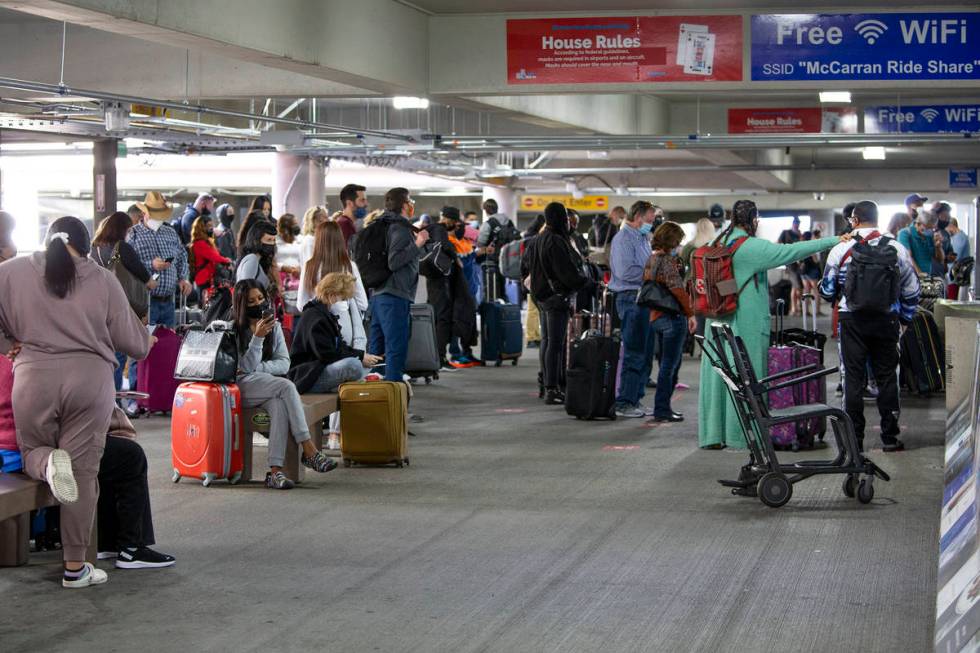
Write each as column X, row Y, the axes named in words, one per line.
column 143, row 558
column 892, row 447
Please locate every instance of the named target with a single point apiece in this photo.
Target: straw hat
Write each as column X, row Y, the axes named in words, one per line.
column 155, row 205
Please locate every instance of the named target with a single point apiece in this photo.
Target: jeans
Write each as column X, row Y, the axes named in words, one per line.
column 163, row 312
column 342, row 371
column 875, row 340
column 638, row 344
column 390, row 320
column 673, row 332
column 117, row 375
column 553, row 334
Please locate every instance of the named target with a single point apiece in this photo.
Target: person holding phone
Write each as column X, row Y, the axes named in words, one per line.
column 161, row 251
column 322, row 360
column 263, row 361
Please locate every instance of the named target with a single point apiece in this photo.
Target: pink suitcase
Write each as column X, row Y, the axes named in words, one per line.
column 782, row 357
column 155, row 375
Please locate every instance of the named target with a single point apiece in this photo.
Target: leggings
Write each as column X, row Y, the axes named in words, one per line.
column 124, row 498
column 553, row 333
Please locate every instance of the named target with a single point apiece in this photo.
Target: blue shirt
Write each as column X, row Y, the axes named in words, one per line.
column 628, row 255
column 920, row 247
column 961, row 245
column 162, row 243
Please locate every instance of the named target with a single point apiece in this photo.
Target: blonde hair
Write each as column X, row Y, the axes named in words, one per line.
column 340, row 284
column 309, row 219
column 705, row 232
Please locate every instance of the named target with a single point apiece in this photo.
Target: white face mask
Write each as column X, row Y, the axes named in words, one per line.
column 154, row 224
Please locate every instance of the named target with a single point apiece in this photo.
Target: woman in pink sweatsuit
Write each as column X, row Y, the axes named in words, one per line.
column 68, row 317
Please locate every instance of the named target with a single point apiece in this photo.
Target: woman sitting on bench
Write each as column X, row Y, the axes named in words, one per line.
column 264, row 359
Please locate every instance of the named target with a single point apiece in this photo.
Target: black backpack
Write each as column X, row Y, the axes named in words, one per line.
column 437, row 256
column 872, row 283
column 371, row 254
column 501, row 234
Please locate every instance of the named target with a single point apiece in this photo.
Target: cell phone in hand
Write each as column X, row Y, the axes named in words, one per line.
column 267, row 314
column 169, row 260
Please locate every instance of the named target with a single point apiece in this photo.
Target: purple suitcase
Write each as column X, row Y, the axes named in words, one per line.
column 784, row 357
column 155, row 375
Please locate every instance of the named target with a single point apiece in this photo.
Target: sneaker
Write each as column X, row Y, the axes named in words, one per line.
column 682, row 386
column 647, row 412
column 90, row 576
column 278, row 481
column 446, row 366
column 107, row 555
column 143, row 558
column 319, row 463
column 628, row 411
column 892, row 447
column 415, row 419
column 61, row 478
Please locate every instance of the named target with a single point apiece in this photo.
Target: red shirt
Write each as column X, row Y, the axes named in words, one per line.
column 347, row 227
column 206, row 259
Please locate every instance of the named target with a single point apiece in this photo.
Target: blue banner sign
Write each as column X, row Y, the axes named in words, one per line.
column 962, row 177
column 933, row 119
column 857, row 47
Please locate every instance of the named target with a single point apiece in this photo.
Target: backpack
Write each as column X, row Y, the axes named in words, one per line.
column 871, row 283
column 437, row 257
column 371, row 254
column 712, row 284
column 962, row 272
column 501, row 234
column 510, row 259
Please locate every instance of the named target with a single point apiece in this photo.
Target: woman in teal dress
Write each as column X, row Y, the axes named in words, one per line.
column 718, row 424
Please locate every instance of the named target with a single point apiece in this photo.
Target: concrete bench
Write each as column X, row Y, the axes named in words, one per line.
column 19, row 495
column 256, row 420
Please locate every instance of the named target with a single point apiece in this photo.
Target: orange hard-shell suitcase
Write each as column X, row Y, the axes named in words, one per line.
column 374, row 423
column 206, row 432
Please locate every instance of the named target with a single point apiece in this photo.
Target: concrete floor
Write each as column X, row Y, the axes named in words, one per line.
column 516, row 528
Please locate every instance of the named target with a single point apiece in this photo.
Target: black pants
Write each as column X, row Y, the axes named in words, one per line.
column 874, row 340
column 554, row 330
column 124, row 498
column 442, row 304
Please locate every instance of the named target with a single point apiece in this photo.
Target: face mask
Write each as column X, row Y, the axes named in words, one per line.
column 942, row 224
column 295, row 231
column 154, row 224
column 460, row 231
column 360, row 212
column 267, row 250
column 646, row 228
column 210, row 233
column 255, row 312
column 475, row 224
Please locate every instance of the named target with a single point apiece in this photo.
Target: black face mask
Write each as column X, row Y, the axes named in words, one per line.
column 255, row 312
column 295, row 230
column 460, row 231
column 942, row 224
column 267, row 250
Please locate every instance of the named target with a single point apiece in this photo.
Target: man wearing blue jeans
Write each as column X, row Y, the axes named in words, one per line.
column 392, row 301
column 628, row 256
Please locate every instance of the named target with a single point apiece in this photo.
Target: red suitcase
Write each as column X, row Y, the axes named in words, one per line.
column 155, row 375
column 206, row 432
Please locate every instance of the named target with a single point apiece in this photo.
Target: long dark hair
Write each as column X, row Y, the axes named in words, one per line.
column 250, row 219
column 113, row 229
column 243, row 326
column 253, row 242
column 258, row 202
column 59, row 267
column 556, row 218
column 329, row 255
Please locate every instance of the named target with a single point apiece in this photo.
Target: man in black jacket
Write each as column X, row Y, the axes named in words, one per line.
column 555, row 271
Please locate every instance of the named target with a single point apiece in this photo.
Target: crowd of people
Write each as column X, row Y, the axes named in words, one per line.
column 327, row 299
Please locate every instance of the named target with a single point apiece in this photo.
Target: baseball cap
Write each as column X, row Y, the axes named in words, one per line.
column 716, row 212
column 915, row 197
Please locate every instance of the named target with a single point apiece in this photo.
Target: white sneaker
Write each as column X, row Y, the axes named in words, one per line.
column 647, row 412
column 60, row 477
column 92, row 576
column 629, row 411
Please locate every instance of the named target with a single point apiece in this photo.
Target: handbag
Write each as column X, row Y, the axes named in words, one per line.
column 209, row 355
column 136, row 292
column 657, row 297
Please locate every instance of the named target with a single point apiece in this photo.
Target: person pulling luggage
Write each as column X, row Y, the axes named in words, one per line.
column 874, row 278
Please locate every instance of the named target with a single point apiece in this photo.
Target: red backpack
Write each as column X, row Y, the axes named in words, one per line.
column 712, row 284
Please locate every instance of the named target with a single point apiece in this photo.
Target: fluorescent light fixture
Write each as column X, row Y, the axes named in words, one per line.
column 597, row 154
column 835, row 96
column 403, row 102
column 873, row 153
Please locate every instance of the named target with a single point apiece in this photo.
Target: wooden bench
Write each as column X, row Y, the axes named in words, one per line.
column 317, row 408
column 19, row 495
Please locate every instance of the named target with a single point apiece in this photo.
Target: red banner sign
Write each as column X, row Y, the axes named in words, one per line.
column 813, row 120
column 645, row 49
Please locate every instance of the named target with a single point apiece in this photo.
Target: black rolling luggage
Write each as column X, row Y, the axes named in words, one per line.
column 423, row 351
column 923, row 357
column 590, row 380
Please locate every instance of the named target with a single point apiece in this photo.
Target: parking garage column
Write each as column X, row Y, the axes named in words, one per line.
column 104, row 195
column 506, row 200
column 297, row 184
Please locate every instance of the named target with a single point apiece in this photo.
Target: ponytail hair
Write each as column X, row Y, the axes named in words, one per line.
column 59, row 267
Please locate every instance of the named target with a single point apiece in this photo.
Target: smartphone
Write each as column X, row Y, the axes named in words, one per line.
column 267, row 314
column 169, row 260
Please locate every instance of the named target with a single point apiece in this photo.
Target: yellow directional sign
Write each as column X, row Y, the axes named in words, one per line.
column 598, row 203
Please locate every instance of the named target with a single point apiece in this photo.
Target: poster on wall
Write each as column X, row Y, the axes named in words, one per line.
column 858, row 47
column 808, row 120
column 618, row 50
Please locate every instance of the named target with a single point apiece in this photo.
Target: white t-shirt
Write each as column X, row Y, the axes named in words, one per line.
column 287, row 254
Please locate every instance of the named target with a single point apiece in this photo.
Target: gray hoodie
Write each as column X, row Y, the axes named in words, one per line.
column 403, row 258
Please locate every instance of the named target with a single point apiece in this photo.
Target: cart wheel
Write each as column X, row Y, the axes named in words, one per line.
column 498, row 363
column 514, row 362
column 775, row 490
column 346, row 463
column 866, row 491
column 849, row 487
column 175, row 477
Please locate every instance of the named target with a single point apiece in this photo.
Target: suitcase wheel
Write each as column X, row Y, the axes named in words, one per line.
column 347, row 462
column 235, row 479
column 206, row 480
column 514, row 362
column 407, row 463
column 428, row 380
column 498, row 363
column 399, row 464
column 175, row 477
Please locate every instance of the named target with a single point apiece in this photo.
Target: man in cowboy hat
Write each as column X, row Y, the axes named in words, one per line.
column 161, row 251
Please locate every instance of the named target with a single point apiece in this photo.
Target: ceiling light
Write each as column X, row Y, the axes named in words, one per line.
column 873, row 153
column 835, row 96
column 403, row 102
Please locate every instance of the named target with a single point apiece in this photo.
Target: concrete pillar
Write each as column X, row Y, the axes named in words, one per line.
column 825, row 216
column 297, row 184
column 104, row 195
column 506, row 200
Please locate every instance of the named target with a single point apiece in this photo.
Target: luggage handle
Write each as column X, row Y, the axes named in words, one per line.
column 813, row 305
column 780, row 314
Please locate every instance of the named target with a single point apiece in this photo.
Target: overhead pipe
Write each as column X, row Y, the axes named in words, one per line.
column 54, row 89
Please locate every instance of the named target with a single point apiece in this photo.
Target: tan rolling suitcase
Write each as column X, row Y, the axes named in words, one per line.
column 374, row 423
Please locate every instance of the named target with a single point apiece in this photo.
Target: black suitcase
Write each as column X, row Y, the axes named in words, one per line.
column 590, row 380
column 423, row 352
column 922, row 362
